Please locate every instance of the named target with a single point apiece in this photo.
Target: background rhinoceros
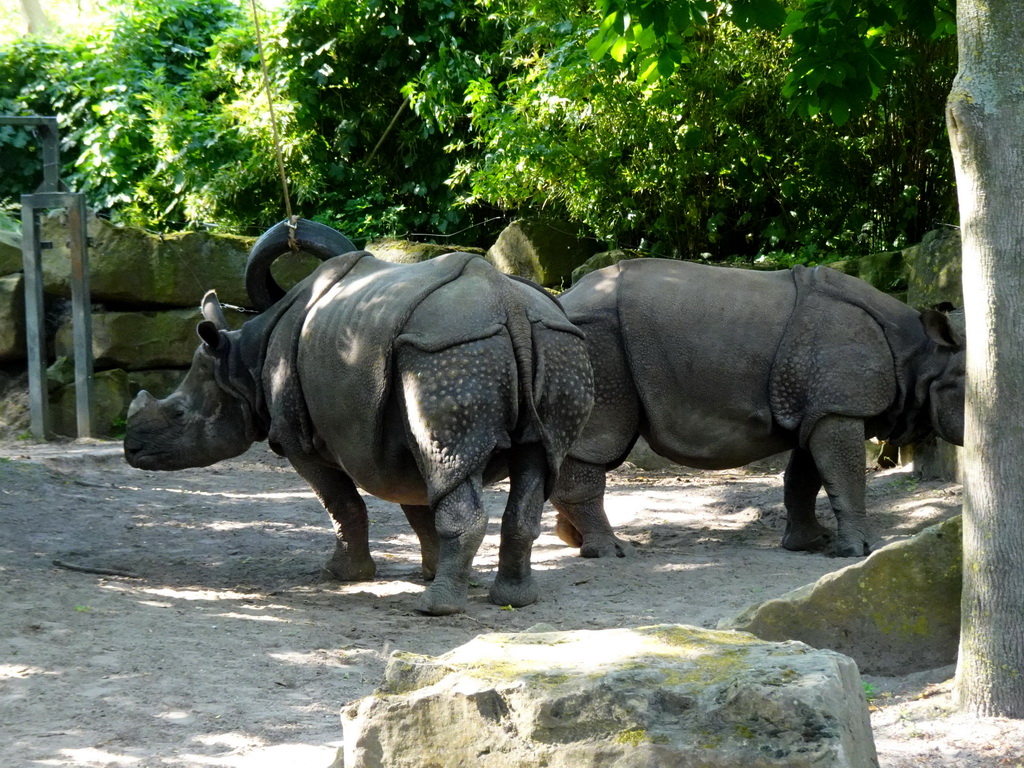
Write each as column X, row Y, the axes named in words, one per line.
column 419, row 383
column 717, row 367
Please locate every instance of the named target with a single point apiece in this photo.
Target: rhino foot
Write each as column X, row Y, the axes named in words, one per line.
column 810, row 538
column 856, row 545
column 438, row 600
column 514, row 592
column 591, row 543
column 605, row 546
column 343, row 567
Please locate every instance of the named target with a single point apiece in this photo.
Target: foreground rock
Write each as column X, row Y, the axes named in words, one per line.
column 653, row 696
column 894, row 613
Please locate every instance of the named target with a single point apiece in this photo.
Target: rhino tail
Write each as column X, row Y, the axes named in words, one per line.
column 556, row 382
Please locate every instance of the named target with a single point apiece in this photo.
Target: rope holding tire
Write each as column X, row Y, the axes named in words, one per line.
column 294, row 234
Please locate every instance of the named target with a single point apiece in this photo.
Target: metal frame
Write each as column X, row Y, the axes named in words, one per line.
column 52, row 193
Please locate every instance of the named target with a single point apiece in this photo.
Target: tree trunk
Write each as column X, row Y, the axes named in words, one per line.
column 35, row 16
column 985, row 117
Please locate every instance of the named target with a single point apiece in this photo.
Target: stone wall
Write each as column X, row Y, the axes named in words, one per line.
column 145, row 291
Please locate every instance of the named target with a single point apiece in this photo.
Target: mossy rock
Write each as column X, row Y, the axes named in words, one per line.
column 131, row 267
column 602, row 260
column 887, row 271
column 10, row 253
column 112, row 390
column 896, row 612
column 141, row 340
column 408, row 252
column 158, row 382
column 541, row 250
column 936, row 270
column 619, row 698
column 111, row 394
column 12, row 318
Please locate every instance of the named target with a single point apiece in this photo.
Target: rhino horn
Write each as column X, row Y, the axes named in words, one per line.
column 142, row 402
column 292, row 234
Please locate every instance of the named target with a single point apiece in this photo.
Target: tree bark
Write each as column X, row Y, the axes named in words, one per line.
column 36, row 18
column 985, row 117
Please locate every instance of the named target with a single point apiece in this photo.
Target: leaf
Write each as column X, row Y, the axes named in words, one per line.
column 644, row 37
column 649, row 68
column 794, row 21
column 839, row 112
column 766, row 14
column 619, row 49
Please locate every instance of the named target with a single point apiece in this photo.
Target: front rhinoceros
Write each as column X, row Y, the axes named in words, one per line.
column 418, row 383
column 718, row 367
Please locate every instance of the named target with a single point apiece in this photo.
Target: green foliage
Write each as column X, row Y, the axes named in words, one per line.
column 711, row 161
column 842, row 54
column 377, row 89
column 656, row 125
column 123, row 97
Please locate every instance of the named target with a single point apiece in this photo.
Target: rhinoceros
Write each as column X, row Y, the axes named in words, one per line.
column 717, row 367
column 418, row 383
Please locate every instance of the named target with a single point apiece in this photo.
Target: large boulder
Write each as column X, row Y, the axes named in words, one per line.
column 129, row 266
column 111, row 393
column 924, row 275
column 602, row 260
column 140, row 340
column 935, row 270
column 544, row 251
column 886, row 271
column 12, row 318
column 409, row 252
column 158, row 382
column 10, row 252
column 653, row 696
column 896, row 612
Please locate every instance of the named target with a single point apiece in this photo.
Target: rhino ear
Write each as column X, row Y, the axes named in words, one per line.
column 213, row 311
column 210, row 334
column 939, row 329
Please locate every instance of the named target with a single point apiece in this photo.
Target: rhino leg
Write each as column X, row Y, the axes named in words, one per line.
column 520, row 525
column 579, row 498
column 421, row 518
column 802, row 483
column 351, row 560
column 461, row 523
column 837, row 444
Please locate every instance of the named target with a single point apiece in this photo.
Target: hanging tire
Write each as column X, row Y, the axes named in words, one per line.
column 317, row 239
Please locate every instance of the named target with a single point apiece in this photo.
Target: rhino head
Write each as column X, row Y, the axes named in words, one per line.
column 204, row 420
column 946, row 389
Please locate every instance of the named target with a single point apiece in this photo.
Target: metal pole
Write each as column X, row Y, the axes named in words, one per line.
column 51, row 155
column 52, row 193
column 81, row 313
column 34, row 319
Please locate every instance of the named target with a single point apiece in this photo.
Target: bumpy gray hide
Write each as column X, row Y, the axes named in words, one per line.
column 418, row 383
column 718, row 367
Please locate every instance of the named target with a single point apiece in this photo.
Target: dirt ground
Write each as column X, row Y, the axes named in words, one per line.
column 177, row 619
